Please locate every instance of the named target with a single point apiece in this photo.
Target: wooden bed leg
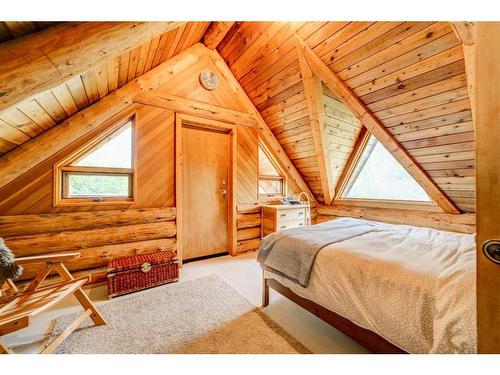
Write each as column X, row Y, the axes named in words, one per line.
column 265, row 291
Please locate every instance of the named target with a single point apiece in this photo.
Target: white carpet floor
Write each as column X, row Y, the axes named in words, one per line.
column 243, row 274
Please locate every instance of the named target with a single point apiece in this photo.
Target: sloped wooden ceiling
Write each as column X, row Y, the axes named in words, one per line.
column 411, row 75
column 27, row 119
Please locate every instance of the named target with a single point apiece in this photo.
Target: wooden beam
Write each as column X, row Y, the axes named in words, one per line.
column 41, row 61
column 196, row 108
column 465, row 32
column 266, row 134
column 216, row 32
column 315, row 107
column 487, row 55
column 29, row 154
column 369, row 120
column 463, row 223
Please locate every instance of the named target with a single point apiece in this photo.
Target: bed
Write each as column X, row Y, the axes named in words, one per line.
column 395, row 288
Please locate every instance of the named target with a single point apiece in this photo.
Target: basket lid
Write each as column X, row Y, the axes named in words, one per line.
column 136, row 261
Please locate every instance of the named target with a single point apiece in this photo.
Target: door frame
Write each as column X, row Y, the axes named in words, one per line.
column 231, row 131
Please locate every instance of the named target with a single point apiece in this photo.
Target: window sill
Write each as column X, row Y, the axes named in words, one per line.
column 69, row 202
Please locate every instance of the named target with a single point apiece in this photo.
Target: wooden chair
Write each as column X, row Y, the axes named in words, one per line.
column 35, row 299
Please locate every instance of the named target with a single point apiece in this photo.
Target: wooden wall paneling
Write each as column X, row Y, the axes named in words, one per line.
column 277, row 60
column 418, row 68
column 486, row 55
column 50, row 105
column 376, row 128
column 266, row 134
column 50, row 50
column 18, row 120
column 36, row 113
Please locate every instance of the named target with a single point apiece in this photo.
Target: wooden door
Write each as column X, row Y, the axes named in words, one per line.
column 487, row 57
column 205, row 167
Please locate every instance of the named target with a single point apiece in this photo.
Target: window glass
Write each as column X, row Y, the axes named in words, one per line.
column 271, row 186
column 378, row 175
column 97, row 185
column 114, row 152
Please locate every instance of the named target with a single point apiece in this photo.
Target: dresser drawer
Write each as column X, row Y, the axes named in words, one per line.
column 291, row 224
column 291, row 214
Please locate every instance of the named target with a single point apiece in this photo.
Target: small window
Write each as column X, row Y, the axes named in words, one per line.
column 378, row 175
column 101, row 171
column 271, row 181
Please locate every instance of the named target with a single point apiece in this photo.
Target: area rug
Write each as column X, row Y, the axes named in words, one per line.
column 205, row 315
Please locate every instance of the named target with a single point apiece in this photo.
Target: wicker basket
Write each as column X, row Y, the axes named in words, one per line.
column 138, row 272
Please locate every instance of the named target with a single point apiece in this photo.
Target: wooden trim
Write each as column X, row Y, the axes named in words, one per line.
column 59, row 199
column 216, row 32
column 231, row 131
column 266, row 134
column 315, row 107
column 370, row 340
column 352, row 162
column 369, row 120
column 278, row 168
column 196, row 108
column 487, row 55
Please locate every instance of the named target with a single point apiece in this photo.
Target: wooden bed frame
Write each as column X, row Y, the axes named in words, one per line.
column 369, row 339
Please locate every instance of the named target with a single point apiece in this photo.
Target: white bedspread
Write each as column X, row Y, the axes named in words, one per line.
column 416, row 287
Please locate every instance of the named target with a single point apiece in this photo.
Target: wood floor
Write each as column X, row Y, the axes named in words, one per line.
column 244, row 274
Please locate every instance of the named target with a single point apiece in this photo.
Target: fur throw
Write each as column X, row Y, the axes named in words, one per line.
column 8, row 268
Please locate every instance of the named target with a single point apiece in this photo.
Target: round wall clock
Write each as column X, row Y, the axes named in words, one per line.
column 209, row 80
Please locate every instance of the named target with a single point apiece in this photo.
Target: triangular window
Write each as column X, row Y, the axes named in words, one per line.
column 378, row 175
column 271, row 181
column 99, row 172
column 115, row 151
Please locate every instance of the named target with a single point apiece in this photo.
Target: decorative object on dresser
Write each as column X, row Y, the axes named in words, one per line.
column 138, row 272
column 283, row 216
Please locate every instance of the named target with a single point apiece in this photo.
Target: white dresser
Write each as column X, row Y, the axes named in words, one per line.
column 279, row 217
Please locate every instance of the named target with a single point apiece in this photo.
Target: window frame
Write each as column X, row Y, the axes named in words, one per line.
column 350, row 168
column 63, row 169
column 280, row 178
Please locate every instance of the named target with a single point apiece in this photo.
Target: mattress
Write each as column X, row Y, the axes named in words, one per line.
column 416, row 287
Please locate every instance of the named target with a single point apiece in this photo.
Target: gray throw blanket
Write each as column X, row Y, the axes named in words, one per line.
column 291, row 252
column 8, row 268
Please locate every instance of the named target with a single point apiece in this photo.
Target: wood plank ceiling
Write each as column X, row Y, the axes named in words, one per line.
column 25, row 120
column 411, row 75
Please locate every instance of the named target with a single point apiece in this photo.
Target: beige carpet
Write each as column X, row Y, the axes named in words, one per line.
column 204, row 315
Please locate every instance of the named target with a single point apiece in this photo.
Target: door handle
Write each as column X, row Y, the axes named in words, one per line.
column 491, row 250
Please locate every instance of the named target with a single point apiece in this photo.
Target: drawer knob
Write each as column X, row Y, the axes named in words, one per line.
column 283, row 227
column 283, row 215
column 301, row 224
column 301, row 213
